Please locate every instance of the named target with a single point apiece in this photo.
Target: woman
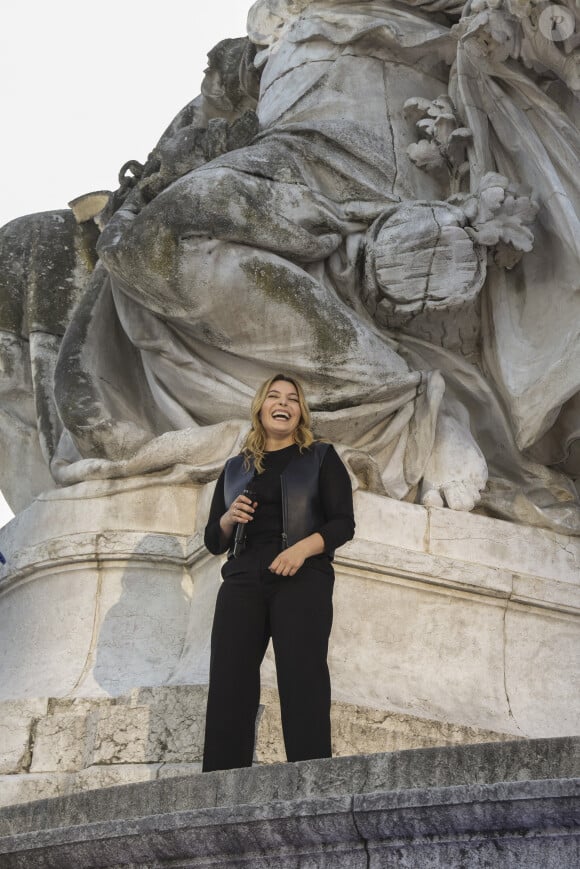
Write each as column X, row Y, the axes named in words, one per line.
column 279, row 582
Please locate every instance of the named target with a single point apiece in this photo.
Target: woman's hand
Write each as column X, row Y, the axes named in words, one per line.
column 240, row 512
column 289, row 561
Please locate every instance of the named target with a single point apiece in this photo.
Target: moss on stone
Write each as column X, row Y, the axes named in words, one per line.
column 162, row 254
column 332, row 331
column 87, row 237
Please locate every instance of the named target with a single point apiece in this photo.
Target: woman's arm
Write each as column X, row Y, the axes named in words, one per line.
column 336, row 497
column 214, row 538
column 222, row 522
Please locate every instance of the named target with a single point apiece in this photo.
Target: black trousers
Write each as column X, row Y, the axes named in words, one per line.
column 253, row 605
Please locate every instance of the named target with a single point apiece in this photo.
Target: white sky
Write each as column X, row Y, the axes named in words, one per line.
column 87, row 86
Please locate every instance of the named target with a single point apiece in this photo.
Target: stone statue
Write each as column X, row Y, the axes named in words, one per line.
column 391, row 216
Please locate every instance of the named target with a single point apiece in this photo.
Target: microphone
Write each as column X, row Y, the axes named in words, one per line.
column 240, row 535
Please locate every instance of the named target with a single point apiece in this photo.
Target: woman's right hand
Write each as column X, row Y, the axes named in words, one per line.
column 240, row 511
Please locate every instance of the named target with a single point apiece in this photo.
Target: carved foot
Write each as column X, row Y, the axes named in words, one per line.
column 456, row 472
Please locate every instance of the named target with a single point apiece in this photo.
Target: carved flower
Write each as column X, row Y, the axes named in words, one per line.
column 443, row 140
column 498, row 217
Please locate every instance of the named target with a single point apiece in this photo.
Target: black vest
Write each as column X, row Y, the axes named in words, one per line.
column 302, row 511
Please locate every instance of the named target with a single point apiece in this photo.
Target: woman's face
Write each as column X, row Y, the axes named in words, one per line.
column 280, row 413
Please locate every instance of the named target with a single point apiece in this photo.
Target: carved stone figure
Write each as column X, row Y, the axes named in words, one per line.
column 398, row 228
column 45, row 262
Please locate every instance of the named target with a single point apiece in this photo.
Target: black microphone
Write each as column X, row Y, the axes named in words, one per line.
column 240, row 535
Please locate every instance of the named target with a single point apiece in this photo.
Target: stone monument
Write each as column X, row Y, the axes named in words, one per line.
column 380, row 198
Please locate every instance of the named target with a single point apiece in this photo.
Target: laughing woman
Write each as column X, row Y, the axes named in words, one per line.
column 278, row 579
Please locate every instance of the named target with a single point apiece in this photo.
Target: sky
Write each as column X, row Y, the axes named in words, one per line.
column 86, row 87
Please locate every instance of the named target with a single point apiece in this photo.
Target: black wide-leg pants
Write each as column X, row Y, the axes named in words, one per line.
column 253, row 605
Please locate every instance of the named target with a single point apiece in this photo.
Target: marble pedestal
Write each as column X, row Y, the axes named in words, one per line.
column 449, row 628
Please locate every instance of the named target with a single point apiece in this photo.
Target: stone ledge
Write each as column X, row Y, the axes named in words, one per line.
column 450, row 766
column 517, row 803
column 72, row 745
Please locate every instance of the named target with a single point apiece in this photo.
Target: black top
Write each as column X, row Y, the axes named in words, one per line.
column 266, row 527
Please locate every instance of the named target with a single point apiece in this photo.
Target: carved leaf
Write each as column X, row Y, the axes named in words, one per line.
column 462, row 133
column 498, row 217
column 457, row 144
column 442, row 105
column 509, row 224
column 426, row 155
column 426, row 127
column 416, row 108
column 504, row 229
column 490, row 201
column 444, row 126
column 493, row 179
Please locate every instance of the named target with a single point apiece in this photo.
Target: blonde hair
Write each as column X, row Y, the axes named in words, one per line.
column 254, row 446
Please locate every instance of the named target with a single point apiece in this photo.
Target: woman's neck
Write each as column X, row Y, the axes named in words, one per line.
column 273, row 444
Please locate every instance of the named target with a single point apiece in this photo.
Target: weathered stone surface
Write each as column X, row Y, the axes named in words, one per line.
column 19, row 788
column 510, row 824
column 14, row 744
column 375, row 250
column 360, row 730
column 515, row 801
column 168, row 729
column 45, row 261
column 17, row 726
column 176, row 721
column 158, row 732
column 115, row 590
column 63, row 743
column 522, row 551
column 450, row 766
column 111, row 775
column 425, row 625
column 178, row 770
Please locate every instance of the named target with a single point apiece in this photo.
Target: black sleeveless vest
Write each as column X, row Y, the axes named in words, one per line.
column 301, row 508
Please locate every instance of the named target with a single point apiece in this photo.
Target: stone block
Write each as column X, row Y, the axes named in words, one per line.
column 360, row 730
column 15, row 744
column 17, row 719
column 78, row 705
column 111, row 775
column 64, row 742
column 122, row 736
column 178, row 770
column 104, row 505
column 419, row 649
column 177, row 720
column 141, row 616
column 383, row 520
column 542, row 655
column 34, row 648
column 522, row 549
column 30, row 787
column 166, row 727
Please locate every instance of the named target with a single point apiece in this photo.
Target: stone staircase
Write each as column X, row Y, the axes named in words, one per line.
column 493, row 805
column 58, row 746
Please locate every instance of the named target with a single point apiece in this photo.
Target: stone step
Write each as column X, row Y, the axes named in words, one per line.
column 56, row 746
column 493, row 805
